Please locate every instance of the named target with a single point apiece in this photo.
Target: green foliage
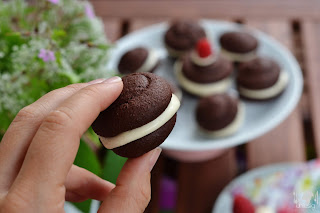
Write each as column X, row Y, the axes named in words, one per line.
column 112, row 166
column 83, row 206
column 87, row 159
column 44, row 46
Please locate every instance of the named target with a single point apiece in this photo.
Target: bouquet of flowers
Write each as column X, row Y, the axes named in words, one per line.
column 44, row 45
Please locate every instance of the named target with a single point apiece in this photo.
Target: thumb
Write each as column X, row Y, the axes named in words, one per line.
column 133, row 191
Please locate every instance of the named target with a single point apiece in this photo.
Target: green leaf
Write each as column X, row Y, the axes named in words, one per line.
column 87, row 159
column 5, row 120
column 93, row 137
column 14, row 38
column 83, row 206
column 63, row 79
column 58, row 34
column 112, row 166
column 104, row 46
column 35, row 89
column 73, row 78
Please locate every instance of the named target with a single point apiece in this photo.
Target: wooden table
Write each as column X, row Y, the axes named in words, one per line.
column 296, row 24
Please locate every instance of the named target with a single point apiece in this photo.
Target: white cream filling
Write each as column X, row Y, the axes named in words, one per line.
column 178, row 93
column 150, row 62
column 134, row 134
column 229, row 129
column 174, row 53
column 270, row 92
column 201, row 89
column 239, row 57
column 202, row 61
column 265, row 209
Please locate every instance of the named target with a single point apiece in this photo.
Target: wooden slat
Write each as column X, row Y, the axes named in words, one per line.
column 200, row 183
column 136, row 24
column 311, row 43
column 286, row 142
column 112, row 28
column 207, row 8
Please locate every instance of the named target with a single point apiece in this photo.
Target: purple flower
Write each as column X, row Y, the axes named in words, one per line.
column 89, row 11
column 54, row 1
column 46, row 55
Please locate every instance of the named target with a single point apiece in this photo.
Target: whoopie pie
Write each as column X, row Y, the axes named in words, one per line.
column 239, row 46
column 139, row 59
column 261, row 79
column 219, row 115
column 182, row 36
column 203, row 72
column 141, row 118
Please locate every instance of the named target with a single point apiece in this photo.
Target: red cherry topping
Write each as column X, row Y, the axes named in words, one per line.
column 204, row 48
column 241, row 204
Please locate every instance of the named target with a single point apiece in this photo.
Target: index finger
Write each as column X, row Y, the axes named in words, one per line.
column 54, row 147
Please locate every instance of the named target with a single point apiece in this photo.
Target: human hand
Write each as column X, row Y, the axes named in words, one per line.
column 37, row 153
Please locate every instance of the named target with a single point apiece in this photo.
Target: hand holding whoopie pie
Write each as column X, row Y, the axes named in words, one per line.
column 37, row 153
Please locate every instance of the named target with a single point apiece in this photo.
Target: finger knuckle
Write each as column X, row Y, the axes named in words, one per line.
column 142, row 198
column 57, row 120
column 26, row 113
column 14, row 202
column 136, row 201
column 145, row 194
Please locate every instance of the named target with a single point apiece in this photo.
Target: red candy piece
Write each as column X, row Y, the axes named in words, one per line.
column 242, row 205
column 204, row 48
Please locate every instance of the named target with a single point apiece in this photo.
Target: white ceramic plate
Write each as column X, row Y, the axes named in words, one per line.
column 272, row 175
column 260, row 118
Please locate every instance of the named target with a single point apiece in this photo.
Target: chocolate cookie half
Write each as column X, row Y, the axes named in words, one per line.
column 138, row 60
column 141, row 118
column 238, row 46
column 182, row 37
column 219, row 115
column 203, row 73
column 261, row 79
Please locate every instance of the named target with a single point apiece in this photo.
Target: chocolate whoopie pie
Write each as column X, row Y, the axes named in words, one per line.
column 261, row 79
column 138, row 60
column 219, row 115
column 182, row 37
column 141, row 118
column 203, row 73
column 238, row 46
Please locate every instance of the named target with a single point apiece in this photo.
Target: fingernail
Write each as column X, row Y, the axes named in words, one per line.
column 154, row 157
column 112, row 80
